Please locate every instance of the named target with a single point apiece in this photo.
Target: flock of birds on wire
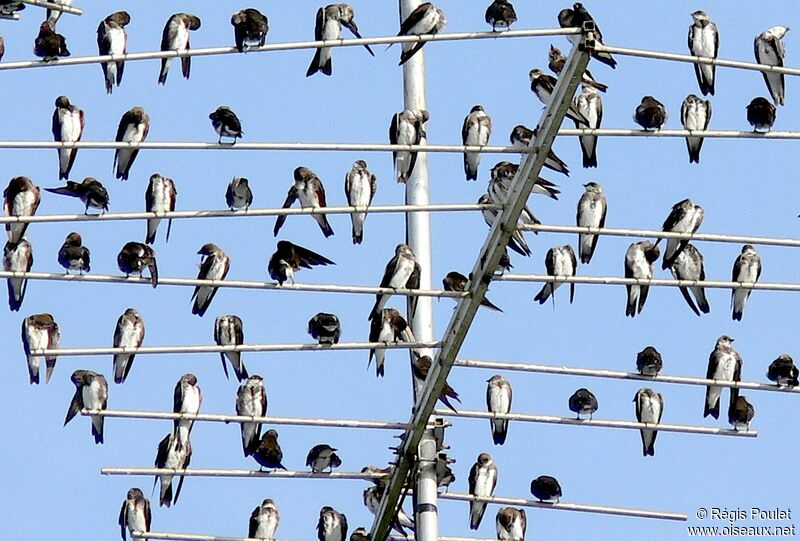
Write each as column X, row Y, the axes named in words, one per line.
column 40, row 331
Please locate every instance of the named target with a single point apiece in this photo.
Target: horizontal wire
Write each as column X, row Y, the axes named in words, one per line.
column 56, row 7
column 601, row 423
column 262, row 145
column 150, row 350
column 708, row 134
column 170, row 536
column 652, row 233
column 291, row 46
column 10, row 16
column 277, row 474
column 643, row 53
column 656, row 282
column 387, row 147
column 619, row 374
column 563, row 506
column 238, row 284
column 217, row 418
column 252, row 212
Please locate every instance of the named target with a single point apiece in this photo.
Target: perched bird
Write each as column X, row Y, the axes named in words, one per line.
column 501, row 179
column 511, row 524
column 307, row 188
column 226, row 123
column 704, row 41
column 289, row 258
column 650, row 114
column 500, row 13
column 322, row 457
column 740, row 412
column 482, row 480
column 91, row 393
column 173, row 454
column 769, row 51
column 761, row 114
column 68, row 125
column 328, row 26
column 420, row 367
column 21, row 198
column 689, row 266
column 695, row 116
column 561, row 262
column 91, row 192
column 685, row 217
column 49, row 45
column 389, row 327
column 372, row 500
column 135, row 513
column 455, row 281
column 267, row 451
column 498, row 400
column 251, row 401
column 17, row 258
column 724, row 364
column 746, row 268
column 10, row 7
column 214, row 265
column 332, row 525
column 129, row 334
column 592, row 208
column 517, row 241
column 407, row 128
column 112, row 39
column 402, row 272
column 264, row 520
column 476, row 131
column 360, row 534
column 187, row 399
column 359, row 188
column 325, row 328
column 40, row 331
column 521, row 138
column 2, row 47
column 229, row 331
column 53, row 15
column 425, row 19
column 649, row 408
column 543, row 85
column 583, row 402
column 639, row 260
column 589, row 104
column 239, row 195
column 134, row 257
column 556, row 62
column 546, row 489
column 176, row 38
column 575, row 18
column 250, row 28
column 133, row 128
column 783, row 371
column 159, row 198
column 73, row 255
column 649, row 362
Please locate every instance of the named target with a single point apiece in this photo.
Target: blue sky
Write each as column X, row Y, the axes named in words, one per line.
column 49, row 479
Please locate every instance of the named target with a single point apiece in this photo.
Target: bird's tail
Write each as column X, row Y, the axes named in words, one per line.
column 162, row 76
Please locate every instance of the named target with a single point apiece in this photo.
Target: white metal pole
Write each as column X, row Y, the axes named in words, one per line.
column 418, row 237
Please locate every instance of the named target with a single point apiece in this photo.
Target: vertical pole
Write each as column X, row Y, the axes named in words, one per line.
column 418, row 237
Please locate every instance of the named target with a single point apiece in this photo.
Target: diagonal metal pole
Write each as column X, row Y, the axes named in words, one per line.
column 481, row 276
